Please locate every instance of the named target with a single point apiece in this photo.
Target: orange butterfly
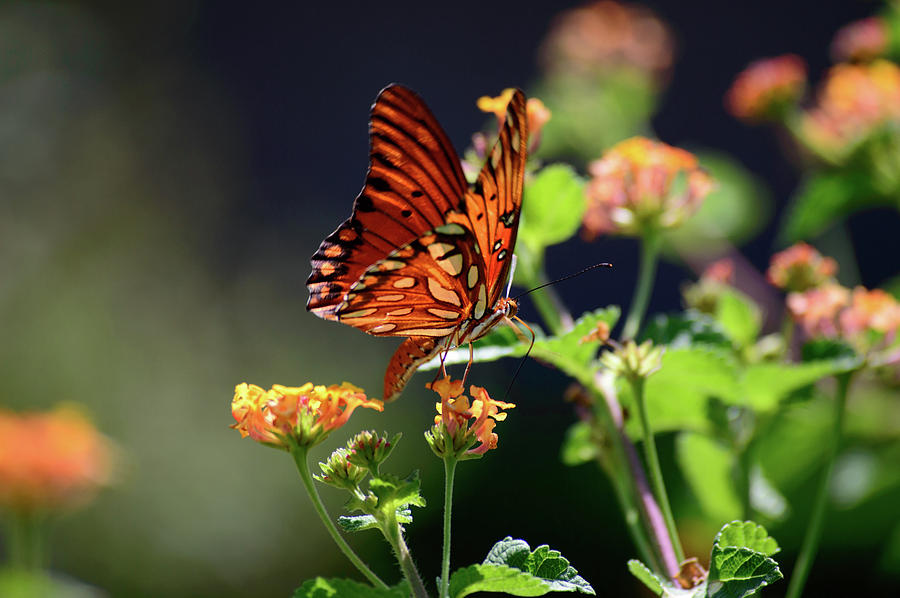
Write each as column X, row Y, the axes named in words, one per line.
column 424, row 255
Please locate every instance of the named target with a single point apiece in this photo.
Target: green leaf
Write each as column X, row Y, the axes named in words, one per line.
column 832, row 350
column 358, row 523
column 739, row 564
column 347, row 588
column 708, row 468
column 825, row 198
column 765, row 384
column 395, row 494
column 739, row 572
column 567, row 351
column 578, row 446
column 747, row 534
column 543, row 563
column 646, row 576
column 495, row 578
column 552, row 207
column 685, row 330
column 764, row 497
column 663, row 587
column 677, row 395
column 739, row 317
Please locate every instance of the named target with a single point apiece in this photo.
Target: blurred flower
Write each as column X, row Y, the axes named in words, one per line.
column 855, row 101
column 640, row 185
column 860, row 41
column 633, row 361
column 538, row 115
column 874, row 310
column 461, row 423
column 799, row 268
column 608, row 35
column 286, row 416
column 816, row 310
column 50, row 460
column 704, row 294
column 766, row 88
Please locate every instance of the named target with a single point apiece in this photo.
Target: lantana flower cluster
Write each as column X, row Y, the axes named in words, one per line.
column 51, row 461
column 641, row 185
column 461, row 421
column 284, row 417
column 855, row 101
column 767, row 88
column 860, row 41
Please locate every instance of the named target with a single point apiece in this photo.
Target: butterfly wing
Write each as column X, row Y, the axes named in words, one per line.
column 414, row 181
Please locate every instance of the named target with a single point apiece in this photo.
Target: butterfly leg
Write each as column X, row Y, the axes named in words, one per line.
column 469, row 365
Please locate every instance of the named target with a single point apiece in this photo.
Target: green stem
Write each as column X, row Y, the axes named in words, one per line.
column 548, row 306
column 744, row 465
column 449, row 473
column 654, row 470
column 817, row 519
column 650, row 245
column 394, row 535
column 299, row 454
column 26, row 541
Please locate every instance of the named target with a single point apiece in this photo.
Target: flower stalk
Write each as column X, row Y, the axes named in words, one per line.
column 650, row 246
column 449, row 475
column 299, row 453
column 817, row 520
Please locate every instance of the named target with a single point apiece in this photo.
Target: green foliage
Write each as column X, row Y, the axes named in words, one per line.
column 740, row 565
column 552, row 207
column 579, row 445
column 686, row 329
column 347, row 588
column 708, row 467
column 567, row 351
column 513, row 568
column 825, row 198
column 739, row 317
column 358, row 523
column 388, row 500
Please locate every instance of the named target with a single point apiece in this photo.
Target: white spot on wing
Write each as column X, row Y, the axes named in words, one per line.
column 361, row 313
column 443, row 313
column 393, row 297
column 403, row 311
column 472, row 278
column 450, row 229
column 381, row 328
column 405, row 282
column 481, row 304
column 452, row 265
column 442, row 294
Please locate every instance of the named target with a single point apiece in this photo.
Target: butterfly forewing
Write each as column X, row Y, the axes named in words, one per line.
column 423, row 255
column 414, row 180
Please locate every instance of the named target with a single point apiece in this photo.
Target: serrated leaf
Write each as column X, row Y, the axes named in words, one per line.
column 347, row 588
column 687, row 329
column 738, row 316
column 578, row 446
column 707, row 466
column 495, row 578
column 552, row 208
column 358, row 523
column 543, row 562
column 746, row 534
column 739, row 572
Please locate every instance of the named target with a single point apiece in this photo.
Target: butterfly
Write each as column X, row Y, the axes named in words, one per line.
column 424, row 255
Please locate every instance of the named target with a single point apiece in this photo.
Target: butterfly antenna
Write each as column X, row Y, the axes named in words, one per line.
column 579, row 273
column 524, row 357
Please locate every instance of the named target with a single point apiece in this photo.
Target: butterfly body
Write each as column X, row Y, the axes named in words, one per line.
column 423, row 255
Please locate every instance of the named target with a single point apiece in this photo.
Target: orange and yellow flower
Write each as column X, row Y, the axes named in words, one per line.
column 642, row 184
column 538, row 114
column 460, row 422
column 799, row 268
column 861, row 41
column 285, row 416
column 833, row 311
column 52, row 460
column 856, row 101
column 766, row 88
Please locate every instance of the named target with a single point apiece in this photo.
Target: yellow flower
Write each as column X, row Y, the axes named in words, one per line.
column 861, row 40
column 51, row 460
column 537, row 113
column 642, row 184
column 461, row 422
column 285, row 416
column 766, row 88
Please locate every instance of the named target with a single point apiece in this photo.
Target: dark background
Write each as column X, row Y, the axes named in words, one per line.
column 167, row 170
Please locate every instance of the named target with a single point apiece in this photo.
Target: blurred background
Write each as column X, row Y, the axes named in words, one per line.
column 167, row 169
